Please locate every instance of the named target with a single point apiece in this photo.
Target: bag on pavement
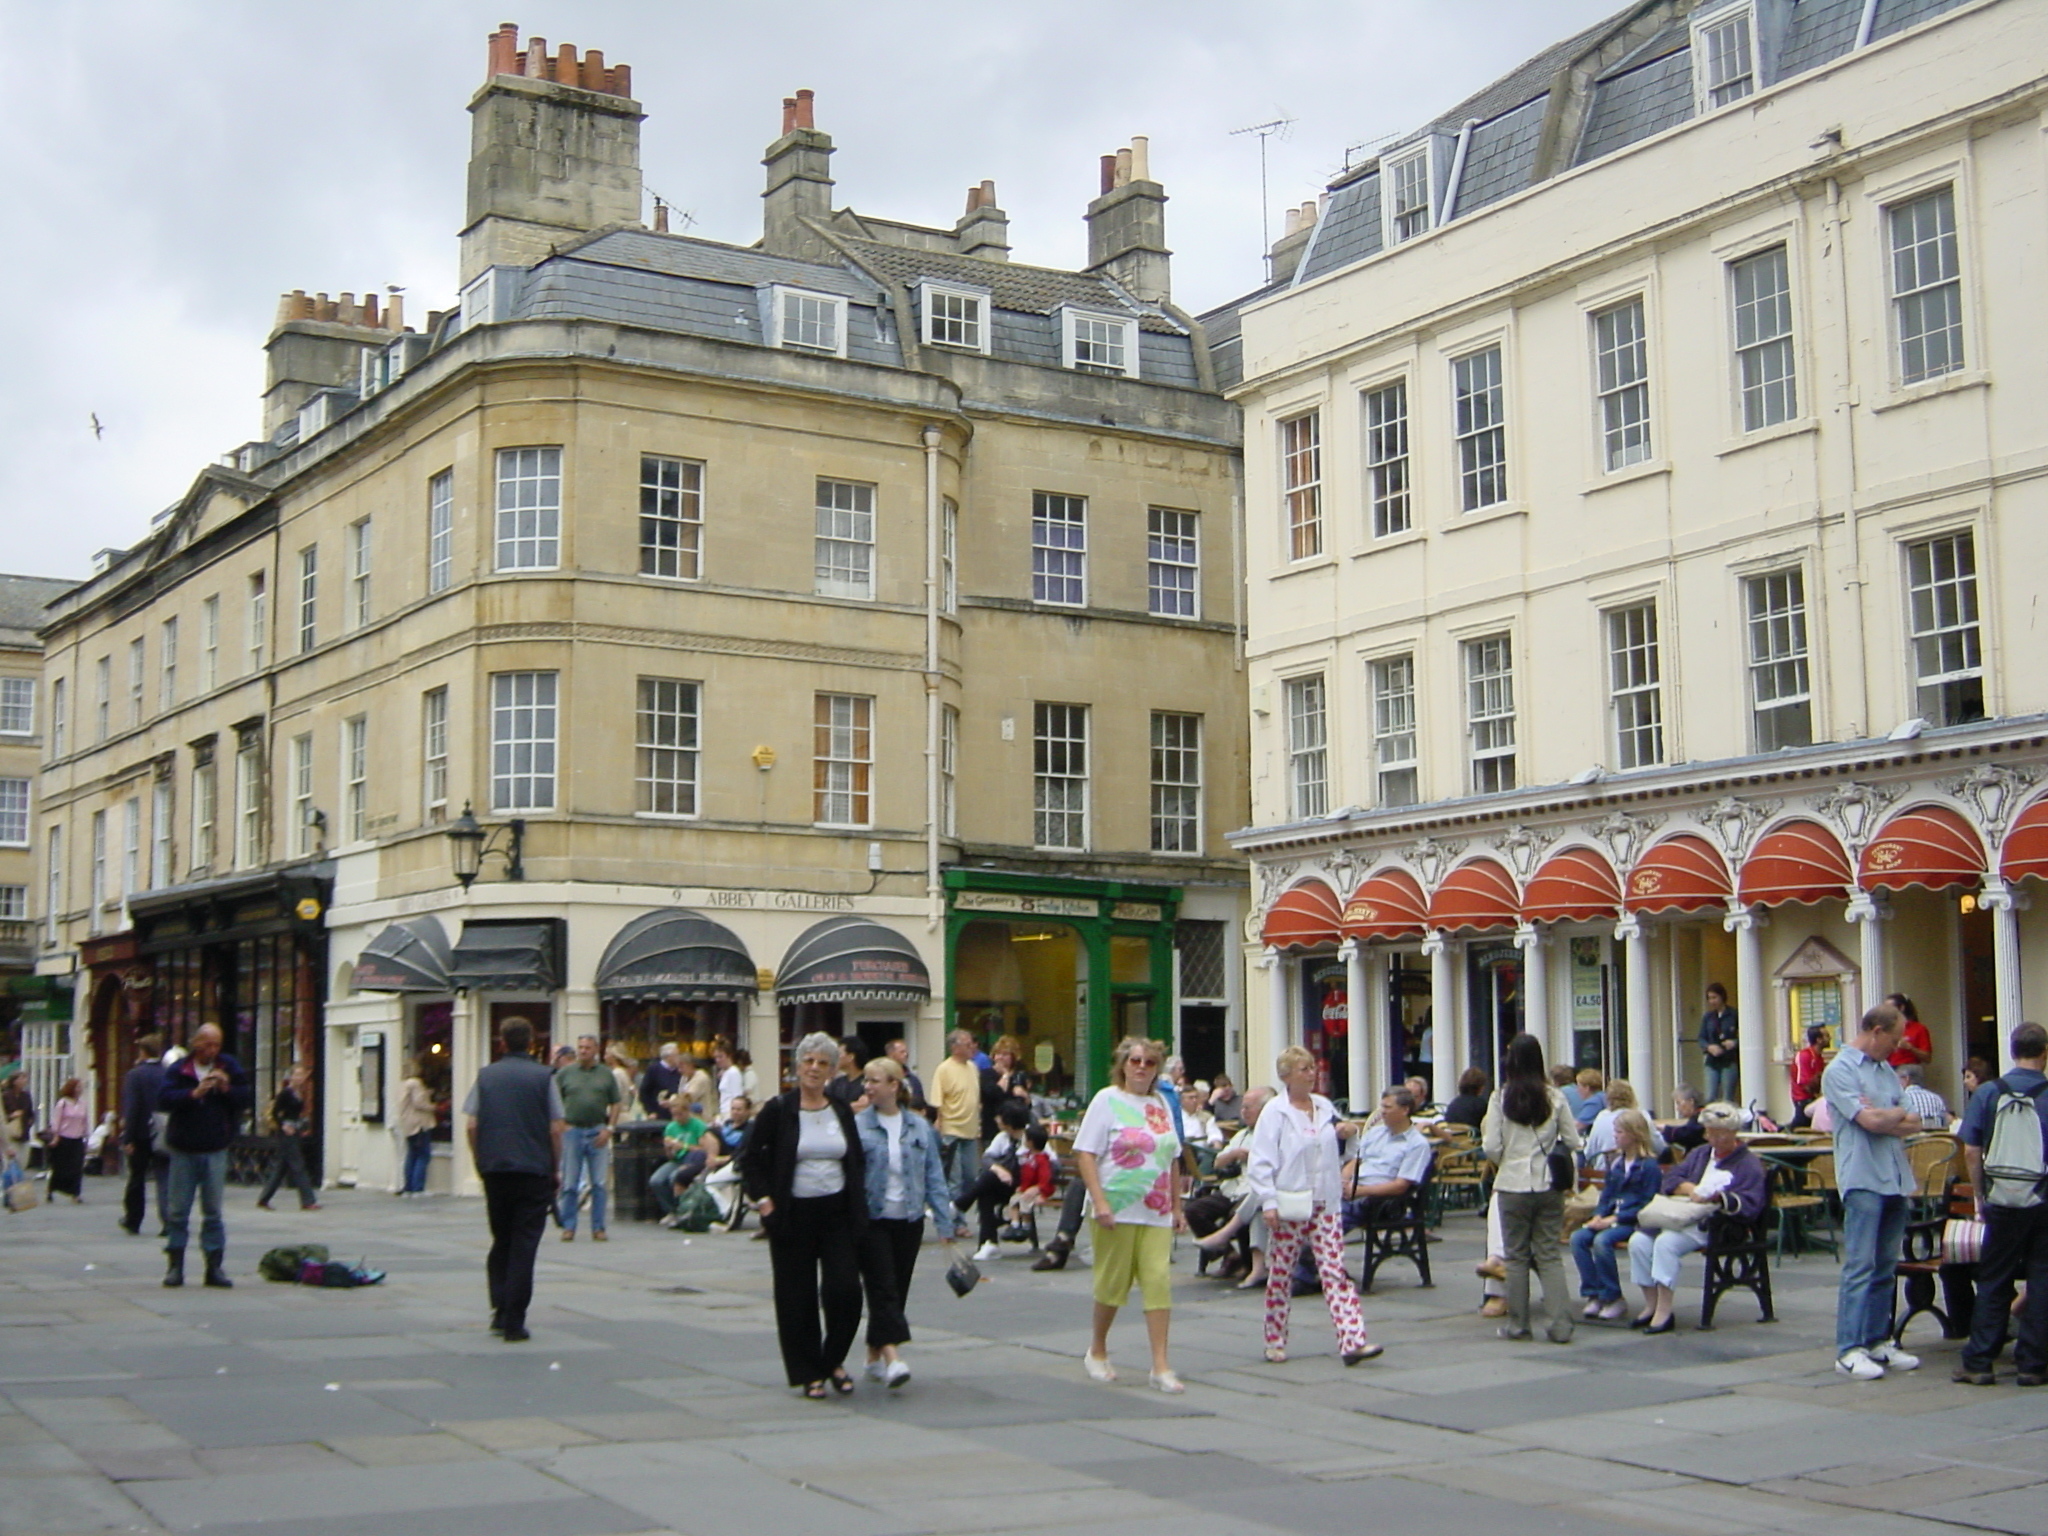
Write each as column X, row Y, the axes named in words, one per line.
column 696, row 1210
column 963, row 1274
column 284, row 1264
column 334, row 1275
column 17, row 1192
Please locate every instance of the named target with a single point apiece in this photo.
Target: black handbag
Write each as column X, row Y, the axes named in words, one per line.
column 963, row 1274
column 1563, row 1166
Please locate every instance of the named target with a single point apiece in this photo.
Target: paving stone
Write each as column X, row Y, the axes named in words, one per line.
column 1403, row 1504
column 67, row 1504
column 203, row 1503
column 40, row 1456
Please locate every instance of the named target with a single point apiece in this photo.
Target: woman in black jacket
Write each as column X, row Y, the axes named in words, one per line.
column 804, row 1172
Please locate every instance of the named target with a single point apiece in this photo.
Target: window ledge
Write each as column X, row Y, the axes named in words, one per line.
column 1947, row 384
column 1308, row 563
column 683, row 816
column 1799, row 426
column 1484, row 515
column 1649, row 469
column 1391, row 541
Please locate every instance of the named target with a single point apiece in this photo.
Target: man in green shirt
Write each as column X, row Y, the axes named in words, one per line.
column 590, row 1104
column 687, row 1152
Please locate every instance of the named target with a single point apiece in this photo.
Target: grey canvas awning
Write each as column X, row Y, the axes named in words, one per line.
column 411, row 956
column 514, row 955
column 677, row 956
column 852, row 960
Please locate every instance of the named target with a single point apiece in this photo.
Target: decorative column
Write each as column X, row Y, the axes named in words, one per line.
column 469, row 1052
column 1640, row 1033
column 1537, row 1017
column 1279, row 1016
column 1753, row 1041
column 2000, row 900
column 1357, row 1036
column 1448, row 1052
column 1369, row 1012
column 1868, row 910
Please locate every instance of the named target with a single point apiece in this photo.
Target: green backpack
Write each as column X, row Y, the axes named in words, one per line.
column 696, row 1210
column 283, row 1264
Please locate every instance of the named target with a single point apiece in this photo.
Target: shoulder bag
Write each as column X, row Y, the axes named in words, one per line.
column 1300, row 1204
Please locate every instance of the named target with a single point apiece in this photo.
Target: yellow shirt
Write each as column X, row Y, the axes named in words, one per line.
column 956, row 1089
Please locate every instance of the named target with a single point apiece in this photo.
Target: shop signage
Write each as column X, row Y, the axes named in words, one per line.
column 1029, row 906
column 786, row 901
column 1137, row 912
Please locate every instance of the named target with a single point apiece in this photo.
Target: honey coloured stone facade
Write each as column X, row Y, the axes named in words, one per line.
column 709, row 572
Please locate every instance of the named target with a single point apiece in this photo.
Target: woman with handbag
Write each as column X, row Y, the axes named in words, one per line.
column 1296, row 1178
column 69, row 1126
column 804, row 1171
column 907, row 1179
column 1532, row 1139
column 1721, row 1176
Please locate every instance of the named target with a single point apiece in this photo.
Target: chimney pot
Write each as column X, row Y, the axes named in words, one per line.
column 504, row 50
column 565, row 64
column 1109, row 173
column 622, row 79
column 536, row 59
column 804, row 101
column 1141, row 159
column 370, row 310
column 660, row 217
column 988, row 194
column 394, row 312
column 593, row 70
column 789, row 114
column 1290, row 223
column 1123, row 166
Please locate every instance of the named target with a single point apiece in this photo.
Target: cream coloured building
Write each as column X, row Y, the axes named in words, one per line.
column 837, row 632
column 1645, row 525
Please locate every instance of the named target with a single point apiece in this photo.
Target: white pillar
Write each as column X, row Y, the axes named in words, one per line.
column 1448, row 1050
column 1753, row 1013
column 1638, row 1030
column 1379, row 1070
column 1868, row 910
column 1537, row 1018
column 1279, row 1015
column 2003, row 904
column 1357, row 1017
column 469, row 1051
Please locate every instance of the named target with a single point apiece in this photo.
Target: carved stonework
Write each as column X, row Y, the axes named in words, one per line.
column 1524, row 846
column 1627, row 836
column 1993, row 791
column 1855, row 810
column 1734, row 822
column 1432, row 858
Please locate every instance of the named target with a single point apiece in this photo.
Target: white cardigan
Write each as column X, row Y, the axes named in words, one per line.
column 1291, row 1150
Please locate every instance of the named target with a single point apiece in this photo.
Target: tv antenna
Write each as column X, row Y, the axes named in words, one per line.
column 1265, row 131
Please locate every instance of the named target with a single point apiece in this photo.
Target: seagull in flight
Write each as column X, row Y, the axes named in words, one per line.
column 98, row 431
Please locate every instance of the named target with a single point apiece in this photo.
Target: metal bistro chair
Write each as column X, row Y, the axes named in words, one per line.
column 1398, row 1229
column 1802, row 1195
column 1933, row 1155
column 1457, row 1182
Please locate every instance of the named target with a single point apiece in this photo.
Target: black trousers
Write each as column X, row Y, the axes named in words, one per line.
column 991, row 1194
column 1073, row 1211
column 145, row 1166
column 517, row 1206
column 67, row 1166
column 2015, row 1248
column 290, row 1163
column 815, row 1254
column 888, row 1258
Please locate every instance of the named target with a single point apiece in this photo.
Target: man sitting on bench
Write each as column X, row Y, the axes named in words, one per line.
column 1393, row 1158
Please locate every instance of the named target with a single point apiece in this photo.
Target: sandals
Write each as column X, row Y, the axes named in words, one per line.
column 842, row 1383
column 1276, row 1354
column 815, row 1391
column 1252, row 1283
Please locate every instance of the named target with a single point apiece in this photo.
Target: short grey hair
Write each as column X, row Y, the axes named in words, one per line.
column 1910, row 1073
column 1402, row 1095
column 1721, row 1117
column 1687, row 1092
column 817, row 1043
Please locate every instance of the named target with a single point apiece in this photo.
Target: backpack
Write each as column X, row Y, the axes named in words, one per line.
column 334, row 1275
column 283, row 1264
column 2015, row 1163
column 696, row 1210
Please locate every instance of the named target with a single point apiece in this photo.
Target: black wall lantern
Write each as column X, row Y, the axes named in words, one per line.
column 470, row 842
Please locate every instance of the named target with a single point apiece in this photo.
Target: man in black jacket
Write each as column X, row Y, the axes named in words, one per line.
column 206, row 1097
column 515, row 1139
column 146, row 1160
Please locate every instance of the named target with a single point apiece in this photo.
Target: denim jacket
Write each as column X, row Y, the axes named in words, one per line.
column 1628, row 1189
column 924, row 1176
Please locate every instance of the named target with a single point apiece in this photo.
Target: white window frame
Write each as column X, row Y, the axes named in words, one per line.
column 440, row 532
column 1176, row 819
column 1307, row 723
column 842, row 760
column 434, row 755
column 1060, row 801
column 138, row 680
column 359, row 572
column 479, row 299
column 1059, row 549
column 1620, row 338
column 302, row 842
column 1714, row 84
column 249, row 802
column 167, row 664
column 1301, row 484
column 1944, row 610
column 949, row 555
column 1779, row 648
column 525, row 732
column 13, row 904
column 308, row 629
column 103, row 698
column 1907, row 291
column 1089, row 354
column 163, row 848
column 527, row 522
column 60, row 717
column 972, row 327
column 780, row 301
column 53, row 882
column 1635, row 684
column 96, row 871
column 1173, row 563
column 949, row 771
column 1389, row 472
column 1396, row 735
column 1763, row 340
column 843, row 543
column 1491, row 735
column 209, row 643
column 205, row 815
column 259, row 618
column 1401, row 221
column 18, row 705
column 671, row 517
column 1479, row 425
column 668, row 719
column 131, row 846
column 17, row 801
column 355, row 779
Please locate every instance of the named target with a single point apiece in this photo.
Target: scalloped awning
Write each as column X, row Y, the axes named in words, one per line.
column 1682, row 873
column 1305, row 915
column 1478, row 894
column 852, row 960
column 1390, row 905
column 1798, row 861
column 1573, row 885
column 1929, row 845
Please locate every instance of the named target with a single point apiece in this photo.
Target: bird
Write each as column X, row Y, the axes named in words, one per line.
column 98, row 431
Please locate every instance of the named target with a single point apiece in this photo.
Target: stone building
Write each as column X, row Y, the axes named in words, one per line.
column 837, row 632
column 1643, row 484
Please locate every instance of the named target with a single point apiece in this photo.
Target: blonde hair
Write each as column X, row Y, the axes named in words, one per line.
column 1294, row 1056
column 1633, row 1125
column 1006, row 1044
column 882, row 1066
column 1128, row 1047
column 1589, row 1079
column 1621, row 1094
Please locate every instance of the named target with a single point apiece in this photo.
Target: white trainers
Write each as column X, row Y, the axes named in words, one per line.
column 986, row 1252
column 1893, row 1358
column 1861, row 1364
column 878, row 1370
column 897, row 1373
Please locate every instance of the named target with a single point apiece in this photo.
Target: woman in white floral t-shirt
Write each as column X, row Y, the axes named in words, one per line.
column 1127, row 1153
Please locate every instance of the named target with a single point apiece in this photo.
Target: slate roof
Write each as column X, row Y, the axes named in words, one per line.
column 22, row 601
column 684, row 256
column 1009, row 285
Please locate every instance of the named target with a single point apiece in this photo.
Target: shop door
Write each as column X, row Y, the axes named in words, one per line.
column 1203, row 1031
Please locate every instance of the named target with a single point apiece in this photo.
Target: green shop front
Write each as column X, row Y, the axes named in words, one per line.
column 1066, row 966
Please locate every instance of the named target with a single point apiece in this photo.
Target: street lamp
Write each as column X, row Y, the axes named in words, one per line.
column 469, row 842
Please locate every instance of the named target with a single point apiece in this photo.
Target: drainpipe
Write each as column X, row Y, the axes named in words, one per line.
column 1449, row 210
column 934, row 512
column 1867, row 25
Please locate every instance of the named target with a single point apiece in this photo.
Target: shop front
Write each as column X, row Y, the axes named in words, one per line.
column 852, row 978
column 674, row 977
column 1065, row 966
column 409, row 960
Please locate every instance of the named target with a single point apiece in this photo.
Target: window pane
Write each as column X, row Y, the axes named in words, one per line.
column 1490, row 713
column 844, row 548
column 1635, row 679
column 667, row 746
column 1927, row 293
column 1059, row 548
column 529, row 508
column 1307, row 747
column 1172, row 563
column 1762, row 287
column 1386, row 458
column 1781, row 702
column 1622, row 358
column 1301, row 478
column 1948, row 661
column 1393, row 730
column 1176, row 783
column 1479, row 418
column 671, row 516
column 440, row 531
column 523, row 720
column 1059, row 748
column 843, row 757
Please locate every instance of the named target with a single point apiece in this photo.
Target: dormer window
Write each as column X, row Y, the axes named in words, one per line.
column 1096, row 343
column 480, row 300
column 809, row 322
column 1405, row 196
column 954, row 317
column 315, row 414
column 1723, row 57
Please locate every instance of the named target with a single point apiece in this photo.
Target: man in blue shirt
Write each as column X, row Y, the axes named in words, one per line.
column 2015, row 1236
column 1871, row 1123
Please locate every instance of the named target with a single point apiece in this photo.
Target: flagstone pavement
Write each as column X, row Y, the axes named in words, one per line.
column 649, row 1400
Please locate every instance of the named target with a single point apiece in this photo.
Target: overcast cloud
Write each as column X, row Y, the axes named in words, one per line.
column 177, row 165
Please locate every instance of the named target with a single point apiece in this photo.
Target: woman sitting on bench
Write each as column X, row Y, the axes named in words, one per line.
column 1721, row 1176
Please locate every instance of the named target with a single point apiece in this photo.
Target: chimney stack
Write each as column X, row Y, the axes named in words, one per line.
column 799, row 183
column 318, row 343
column 554, row 151
column 984, row 229
column 1285, row 257
column 1127, row 225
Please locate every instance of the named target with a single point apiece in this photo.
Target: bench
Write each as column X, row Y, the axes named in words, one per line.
column 1398, row 1228
column 1929, row 1258
column 1738, row 1258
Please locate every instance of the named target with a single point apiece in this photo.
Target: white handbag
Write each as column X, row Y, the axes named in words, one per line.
column 1300, row 1204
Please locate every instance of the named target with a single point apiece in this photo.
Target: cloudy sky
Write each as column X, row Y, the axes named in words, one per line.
column 177, row 164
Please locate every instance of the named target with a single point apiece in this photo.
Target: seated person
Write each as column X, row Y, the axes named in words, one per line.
column 1592, row 1096
column 1391, row 1159
column 1920, row 1098
column 1419, row 1089
column 991, row 1190
column 1722, row 1174
column 1469, row 1107
column 1037, row 1177
column 1198, row 1125
column 1220, row 1216
column 1632, row 1178
column 1566, row 1082
column 1600, row 1140
column 688, row 1152
column 1225, row 1102
column 721, row 1163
